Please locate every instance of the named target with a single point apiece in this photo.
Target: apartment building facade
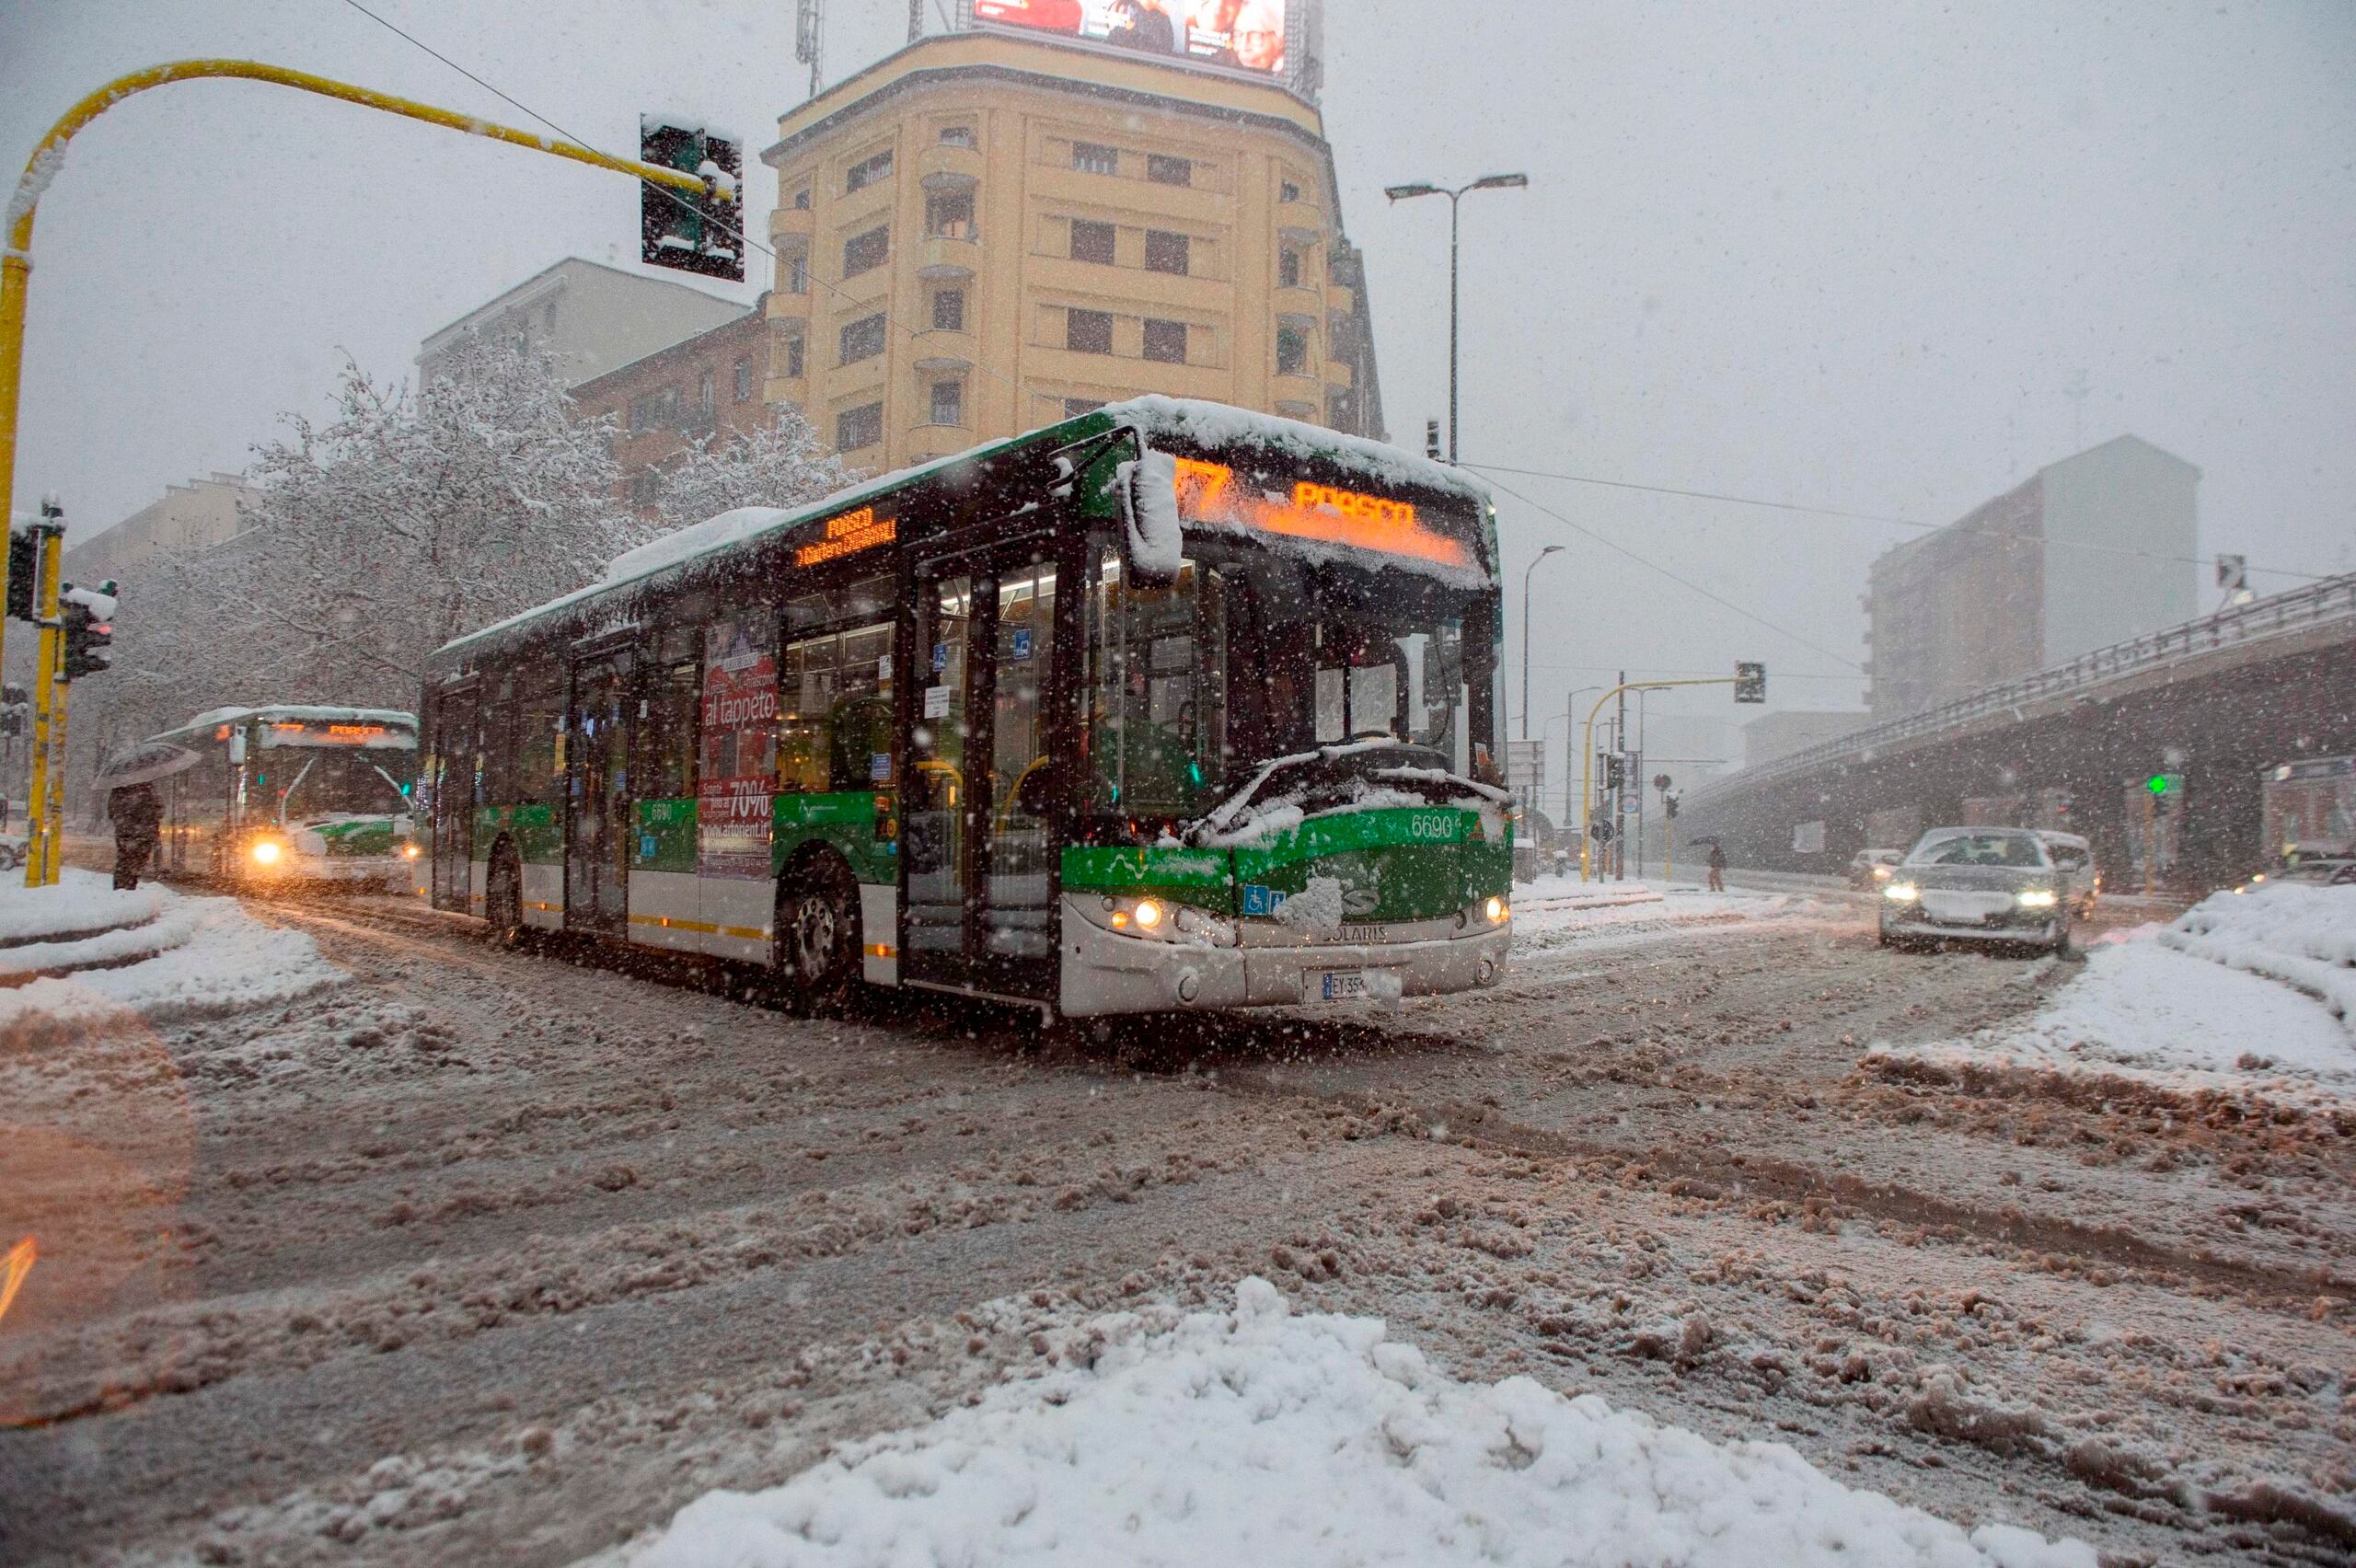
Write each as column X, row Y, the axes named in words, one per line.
column 586, row 317
column 193, row 517
column 985, row 233
column 2093, row 550
column 707, row 387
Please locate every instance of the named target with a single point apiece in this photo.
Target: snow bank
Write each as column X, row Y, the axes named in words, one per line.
column 2297, row 933
column 1552, row 908
column 1263, row 1436
column 197, row 958
column 2188, row 1011
column 81, row 902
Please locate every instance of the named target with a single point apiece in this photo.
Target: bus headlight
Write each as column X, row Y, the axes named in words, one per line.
column 1901, row 893
column 266, row 851
column 2034, row 898
column 410, row 852
column 1495, row 910
column 1146, row 912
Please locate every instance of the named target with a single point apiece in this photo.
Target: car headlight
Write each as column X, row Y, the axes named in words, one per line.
column 410, row 852
column 266, row 851
column 1495, row 910
column 1881, row 873
column 2034, row 898
column 1901, row 893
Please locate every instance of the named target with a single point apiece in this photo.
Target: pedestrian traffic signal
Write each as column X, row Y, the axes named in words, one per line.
column 692, row 234
column 2162, row 785
column 24, row 566
column 88, row 617
column 1750, row 683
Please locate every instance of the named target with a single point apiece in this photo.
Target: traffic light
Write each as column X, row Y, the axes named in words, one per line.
column 1612, row 770
column 88, row 614
column 1750, row 683
column 24, row 565
column 692, row 234
column 2162, row 785
column 1431, row 440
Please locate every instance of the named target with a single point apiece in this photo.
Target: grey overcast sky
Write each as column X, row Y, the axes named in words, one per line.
column 1849, row 253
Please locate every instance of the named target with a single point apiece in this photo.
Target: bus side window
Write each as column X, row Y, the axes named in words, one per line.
column 539, row 758
column 835, row 692
column 666, row 765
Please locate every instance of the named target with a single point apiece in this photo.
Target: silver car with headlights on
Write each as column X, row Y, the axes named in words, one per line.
column 1985, row 884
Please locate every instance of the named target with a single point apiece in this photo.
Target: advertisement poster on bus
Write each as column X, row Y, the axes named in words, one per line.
column 1245, row 34
column 739, row 749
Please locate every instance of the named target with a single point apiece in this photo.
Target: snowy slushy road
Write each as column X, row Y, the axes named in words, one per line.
column 493, row 1255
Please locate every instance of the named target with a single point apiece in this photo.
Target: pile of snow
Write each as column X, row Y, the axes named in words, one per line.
column 1263, row 1436
column 191, row 957
column 80, row 904
column 1552, row 909
column 2243, row 997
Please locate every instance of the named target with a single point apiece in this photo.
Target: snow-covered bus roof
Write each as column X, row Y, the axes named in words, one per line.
column 1207, row 426
column 400, row 726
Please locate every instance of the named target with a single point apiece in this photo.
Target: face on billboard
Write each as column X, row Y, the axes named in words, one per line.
column 1246, row 33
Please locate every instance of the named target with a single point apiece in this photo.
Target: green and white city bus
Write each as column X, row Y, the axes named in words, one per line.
column 1169, row 706
column 280, row 796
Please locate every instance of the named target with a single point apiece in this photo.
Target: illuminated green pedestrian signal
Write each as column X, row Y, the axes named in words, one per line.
column 2157, row 784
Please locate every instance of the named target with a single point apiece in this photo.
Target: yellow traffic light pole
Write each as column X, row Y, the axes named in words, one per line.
column 41, row 817
column 17, row 266
column 1586, row 763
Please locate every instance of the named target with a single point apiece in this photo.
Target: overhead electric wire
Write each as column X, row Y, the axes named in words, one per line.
column 682, row 203
column 1891, row 522
column 1685, row 582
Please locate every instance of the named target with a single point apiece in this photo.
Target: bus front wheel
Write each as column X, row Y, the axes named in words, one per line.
column 817, row 953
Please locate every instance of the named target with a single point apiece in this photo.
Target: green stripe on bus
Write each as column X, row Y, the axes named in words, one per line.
column 666, row 836
column 538, row 838
column 1429, row 828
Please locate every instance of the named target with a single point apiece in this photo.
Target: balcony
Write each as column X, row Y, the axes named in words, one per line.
column 1301, row 306
column 1299, row 392
column 1340, row 376
column 945, row 256
column 793, row 222
column 938, row 349
column 944, row 167
column 1302, row 221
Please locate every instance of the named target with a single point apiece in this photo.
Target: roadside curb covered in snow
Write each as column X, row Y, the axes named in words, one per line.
column 157, row 955
column 1264, row 1436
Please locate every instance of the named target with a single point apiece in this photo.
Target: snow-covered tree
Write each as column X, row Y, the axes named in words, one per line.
column 782, row 462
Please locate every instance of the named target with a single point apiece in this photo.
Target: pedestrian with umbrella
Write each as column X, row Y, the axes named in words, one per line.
column 134, row 808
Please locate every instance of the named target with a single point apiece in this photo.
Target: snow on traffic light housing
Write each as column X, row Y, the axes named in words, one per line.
column 683, row 232
column 88, row 618
column 1750, row 683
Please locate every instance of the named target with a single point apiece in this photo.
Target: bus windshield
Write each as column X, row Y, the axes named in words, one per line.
column 1252, row 654
column 304, row 783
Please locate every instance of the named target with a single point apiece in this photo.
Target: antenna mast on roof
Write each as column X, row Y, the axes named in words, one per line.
column 809, row 38
column 915, row 20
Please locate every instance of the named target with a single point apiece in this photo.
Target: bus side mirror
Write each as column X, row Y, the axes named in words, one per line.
column 237, row 749
column 1149, row 510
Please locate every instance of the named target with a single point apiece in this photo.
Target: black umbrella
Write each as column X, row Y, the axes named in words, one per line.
column 143, row 764
column 1703, row 838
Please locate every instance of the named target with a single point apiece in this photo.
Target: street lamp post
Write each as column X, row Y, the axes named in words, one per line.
column 1421, row 187
column 1550, row 549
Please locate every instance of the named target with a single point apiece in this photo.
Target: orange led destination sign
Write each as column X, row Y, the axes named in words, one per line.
column 1207, row 492
column 847, row 535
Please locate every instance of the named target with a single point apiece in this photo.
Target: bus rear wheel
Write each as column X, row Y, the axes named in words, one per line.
column 502, row 903
column 817, row 952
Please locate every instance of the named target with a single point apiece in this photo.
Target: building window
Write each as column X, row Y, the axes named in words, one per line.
column 949, row 402
column 793, row 359
column 1075, row 407
column 1163, row 169
column 1087, row 332
column 658, row 410
column 1288, row 268
column 797, row 272
column 863, row 338
column 957, row 135
column 1165, row 253
column 865, row 252
column 744, row 381
column 801, row 200
column 950, row 213
column 1292, row 351
column 1287, row 191
column 855, row 428
column 1090, row 158
column 642, row 485
column 867, row 171
column 1165, row 342
column 1091, row 242
column 704, row 395
column 949, row 310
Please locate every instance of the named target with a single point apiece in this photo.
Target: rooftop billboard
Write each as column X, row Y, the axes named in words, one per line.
column 1241, row 34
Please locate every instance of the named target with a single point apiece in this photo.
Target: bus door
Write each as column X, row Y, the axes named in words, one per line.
column 977, row 847
column 597, row 795
column 452, row 797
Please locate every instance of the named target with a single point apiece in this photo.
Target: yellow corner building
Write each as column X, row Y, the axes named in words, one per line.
column 984, row 233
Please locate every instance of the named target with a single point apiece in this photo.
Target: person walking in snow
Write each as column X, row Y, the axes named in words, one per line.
column 1717, row 868
column 138, row 818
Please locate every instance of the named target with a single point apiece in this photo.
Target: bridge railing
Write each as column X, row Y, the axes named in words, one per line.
column 2277, row 614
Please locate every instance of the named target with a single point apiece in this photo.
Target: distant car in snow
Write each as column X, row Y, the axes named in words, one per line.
column 1871, row 868
column 2075, row 859
column 1990, row 884
column 2326, row 873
